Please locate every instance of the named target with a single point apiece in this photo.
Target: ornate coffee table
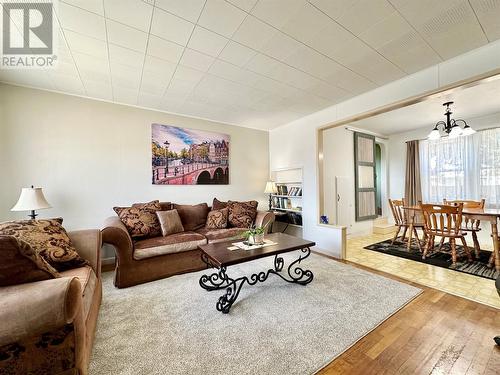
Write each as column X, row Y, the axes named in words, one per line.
column 218, row 256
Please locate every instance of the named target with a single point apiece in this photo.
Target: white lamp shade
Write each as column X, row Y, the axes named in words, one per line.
column 31, row 199
column 434, row 135
column 270, row 187
column 456, row 131
column 468, row 131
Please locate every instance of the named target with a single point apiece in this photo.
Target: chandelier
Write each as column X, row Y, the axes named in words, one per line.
column 451, row 126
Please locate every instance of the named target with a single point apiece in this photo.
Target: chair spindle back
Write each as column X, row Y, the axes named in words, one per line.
column 467, row 222
column 442, row 218
column 397, row 211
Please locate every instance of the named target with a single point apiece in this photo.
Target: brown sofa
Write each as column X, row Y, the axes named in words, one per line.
column 140, row 261
column 48, row 327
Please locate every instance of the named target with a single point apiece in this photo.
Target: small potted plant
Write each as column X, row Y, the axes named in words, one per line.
column 255, row 235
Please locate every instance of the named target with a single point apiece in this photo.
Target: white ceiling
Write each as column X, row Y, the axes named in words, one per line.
column 469, row 103
column 255, row 63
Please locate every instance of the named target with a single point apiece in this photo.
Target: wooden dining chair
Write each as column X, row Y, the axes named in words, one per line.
column 444, row 221
column 401, row 220
column 470, row 225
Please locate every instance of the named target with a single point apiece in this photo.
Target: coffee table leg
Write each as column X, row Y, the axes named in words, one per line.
column 296, row 274
column 219, row 280
column 227, row 299
column 215, row 281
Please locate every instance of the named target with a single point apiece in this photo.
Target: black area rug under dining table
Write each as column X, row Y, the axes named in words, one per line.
column 478, row 267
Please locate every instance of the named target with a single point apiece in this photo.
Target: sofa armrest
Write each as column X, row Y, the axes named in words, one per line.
column 264, row 218
column 115, row 233
column 88, row 245
column 34, row 308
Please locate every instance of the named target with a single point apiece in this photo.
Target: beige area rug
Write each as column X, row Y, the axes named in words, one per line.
column 171, row 326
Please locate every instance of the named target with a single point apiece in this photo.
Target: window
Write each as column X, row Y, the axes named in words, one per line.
column 462, row 168
column 489, row 167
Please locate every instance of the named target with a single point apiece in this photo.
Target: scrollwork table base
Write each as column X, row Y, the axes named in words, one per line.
column 219, row 257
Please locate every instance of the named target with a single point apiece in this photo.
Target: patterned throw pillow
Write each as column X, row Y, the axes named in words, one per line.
column 19, row 263
column 217, row 219
column 218, row 205
column 48, row 238
column 170, row 222
column 140, row 219
column 242, row 214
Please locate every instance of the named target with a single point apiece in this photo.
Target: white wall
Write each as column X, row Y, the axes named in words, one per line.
column 295, row 143
column 338, row 160
column 90, row 156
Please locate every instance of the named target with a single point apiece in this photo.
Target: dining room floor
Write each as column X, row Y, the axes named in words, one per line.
column 461, row 284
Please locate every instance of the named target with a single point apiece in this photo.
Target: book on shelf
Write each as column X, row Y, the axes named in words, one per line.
column 294, row 191
column 282, row 189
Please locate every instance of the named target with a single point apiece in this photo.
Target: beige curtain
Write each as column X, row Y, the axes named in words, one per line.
column 413, row 188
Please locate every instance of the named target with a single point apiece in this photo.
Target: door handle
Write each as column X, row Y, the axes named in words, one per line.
column 338, row 198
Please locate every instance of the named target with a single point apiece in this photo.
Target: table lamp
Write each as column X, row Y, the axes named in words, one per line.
column 31, row 199
column 270, row 189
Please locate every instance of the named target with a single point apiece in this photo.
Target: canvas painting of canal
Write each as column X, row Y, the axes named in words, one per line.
column 183, row 156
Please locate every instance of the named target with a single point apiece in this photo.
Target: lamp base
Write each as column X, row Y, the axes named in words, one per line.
column 33, row 215
column 270, row 202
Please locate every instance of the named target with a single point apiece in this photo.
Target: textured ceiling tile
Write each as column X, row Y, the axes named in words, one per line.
column 254, row 33
column 207, row 42
column 164, row 49
column 410, row 52
column 236, row 53
column 392, row 27
column 95, row 6
column 356, row 16
column 221, row 17
column 488, row 12
column 85, row 44
column 170, row 27
column 196, row 60
column 278, row 12
column 81, row 21
column 189, row 10
column 245, row 5
column 126, row 36
column 134, row 13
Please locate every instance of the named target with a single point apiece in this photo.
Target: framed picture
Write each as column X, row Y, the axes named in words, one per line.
column 182, row 156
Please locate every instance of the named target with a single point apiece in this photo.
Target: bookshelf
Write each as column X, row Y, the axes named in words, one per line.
column 287, row 202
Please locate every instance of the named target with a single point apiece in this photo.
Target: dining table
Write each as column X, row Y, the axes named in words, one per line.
column 491, row 215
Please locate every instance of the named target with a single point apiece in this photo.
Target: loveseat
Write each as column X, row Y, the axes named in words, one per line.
column 48, row 327
column 140, row 260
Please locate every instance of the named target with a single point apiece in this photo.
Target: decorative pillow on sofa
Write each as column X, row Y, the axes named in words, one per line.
column 193, row 217
column 217, row 219
column 140, row 219
column 218, row 205
column 242, row 214
column 48, row 238
column 170, row 222
column 19, row 263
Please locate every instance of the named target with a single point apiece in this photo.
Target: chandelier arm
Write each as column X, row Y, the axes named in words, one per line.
column 460, row 120
column 440, row 123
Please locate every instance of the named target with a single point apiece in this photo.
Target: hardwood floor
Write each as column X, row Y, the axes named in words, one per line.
column 436, row 333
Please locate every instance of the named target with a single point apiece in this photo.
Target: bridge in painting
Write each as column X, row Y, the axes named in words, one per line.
column 191, row 174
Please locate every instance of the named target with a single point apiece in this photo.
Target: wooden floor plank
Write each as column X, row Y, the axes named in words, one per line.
column 437, row 333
